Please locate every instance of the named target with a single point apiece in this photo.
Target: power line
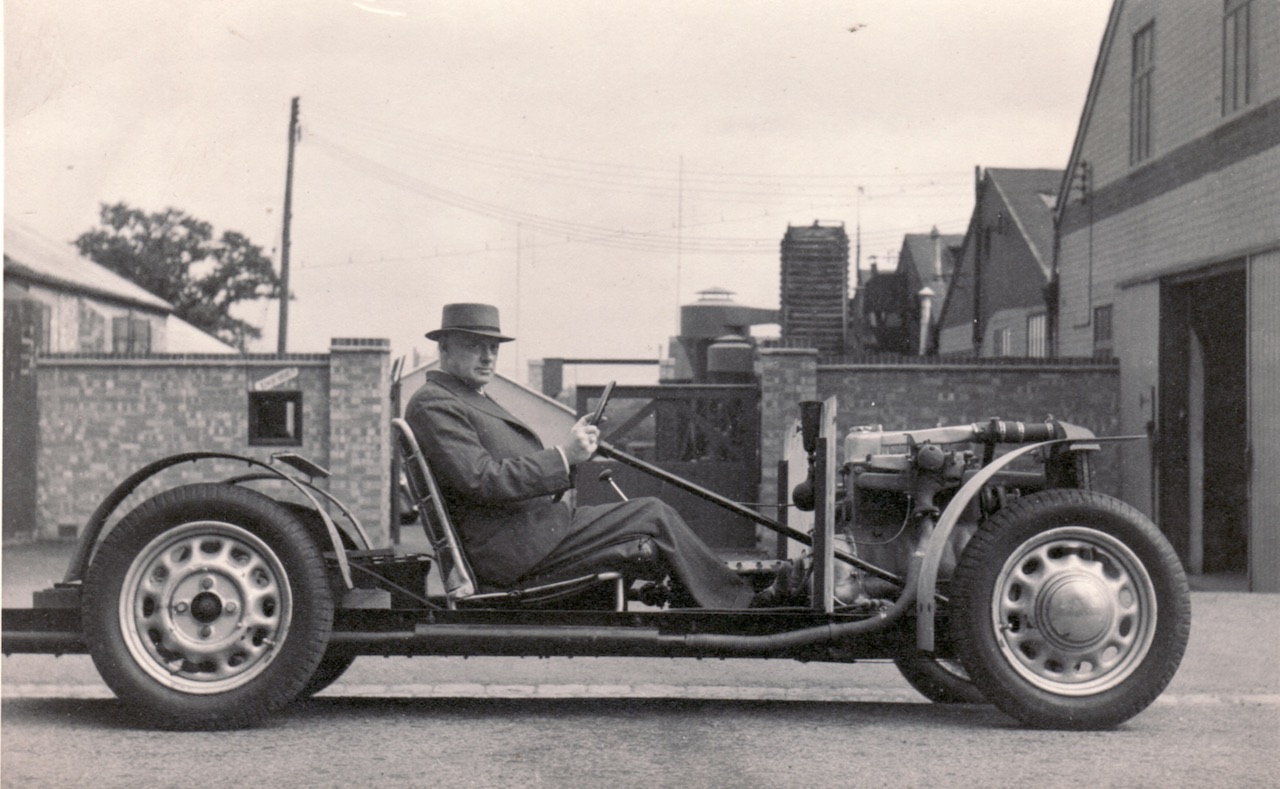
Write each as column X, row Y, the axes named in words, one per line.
column 595, row 175
column 634, row 176
column 571, row 230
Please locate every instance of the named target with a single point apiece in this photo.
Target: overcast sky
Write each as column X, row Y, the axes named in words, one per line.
column 587, row 166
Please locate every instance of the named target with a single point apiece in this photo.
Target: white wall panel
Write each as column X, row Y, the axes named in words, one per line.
column 1264, row 421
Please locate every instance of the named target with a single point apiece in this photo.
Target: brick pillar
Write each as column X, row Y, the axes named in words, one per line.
column 787, row 376
column 360, row 431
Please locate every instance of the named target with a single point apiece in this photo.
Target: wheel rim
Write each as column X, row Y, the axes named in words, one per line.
column 205, row 607
column 1074, row 611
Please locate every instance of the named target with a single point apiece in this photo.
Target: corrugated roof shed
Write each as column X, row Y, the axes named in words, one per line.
column 32, row 256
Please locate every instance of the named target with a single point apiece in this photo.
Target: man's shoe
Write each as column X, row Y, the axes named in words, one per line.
column 765, row 598
column 789, row 588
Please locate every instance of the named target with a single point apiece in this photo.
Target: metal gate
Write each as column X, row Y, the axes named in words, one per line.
column 708, row 434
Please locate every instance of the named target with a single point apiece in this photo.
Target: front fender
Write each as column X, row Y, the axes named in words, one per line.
column 927, row 583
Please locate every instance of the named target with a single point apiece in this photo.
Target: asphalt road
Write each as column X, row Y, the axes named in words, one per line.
column 637, row 722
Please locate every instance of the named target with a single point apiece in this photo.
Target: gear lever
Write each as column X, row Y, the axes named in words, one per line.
column 607, row 476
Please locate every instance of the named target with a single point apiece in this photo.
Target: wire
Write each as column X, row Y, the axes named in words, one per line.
column 435, row 144
column 746, row 188
column 572, row 231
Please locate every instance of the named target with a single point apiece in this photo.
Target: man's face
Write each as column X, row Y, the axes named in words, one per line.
column 469, row 358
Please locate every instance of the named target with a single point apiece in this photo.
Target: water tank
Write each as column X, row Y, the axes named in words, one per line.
column 731, row 360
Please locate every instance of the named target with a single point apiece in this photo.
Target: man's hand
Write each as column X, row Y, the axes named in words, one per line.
column 582, row 443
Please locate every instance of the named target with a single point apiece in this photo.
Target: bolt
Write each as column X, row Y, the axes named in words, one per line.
column 206, row 631
column 230, row 607
column 206, row 583
column 181, row 608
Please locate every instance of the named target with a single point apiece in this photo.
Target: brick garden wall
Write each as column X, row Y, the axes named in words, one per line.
column 103, row 417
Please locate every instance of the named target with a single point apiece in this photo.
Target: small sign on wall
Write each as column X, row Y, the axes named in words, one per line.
column 275, row 379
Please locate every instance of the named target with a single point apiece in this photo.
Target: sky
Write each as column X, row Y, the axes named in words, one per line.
column 586, row 166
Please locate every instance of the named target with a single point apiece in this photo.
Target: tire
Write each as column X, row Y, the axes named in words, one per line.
column 939, row 680
column 332, row 666
column 207, row 607
column 1071, row 610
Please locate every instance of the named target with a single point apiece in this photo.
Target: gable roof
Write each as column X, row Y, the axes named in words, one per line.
column 919, row 247
column 1030, row 196
column 1091, row 98
column 32, row 256
column 182, row 337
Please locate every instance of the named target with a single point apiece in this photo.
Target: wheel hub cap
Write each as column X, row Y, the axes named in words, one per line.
column 205, row 607
column 1074, row 611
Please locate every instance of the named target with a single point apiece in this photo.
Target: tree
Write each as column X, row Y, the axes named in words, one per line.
column 175, row 257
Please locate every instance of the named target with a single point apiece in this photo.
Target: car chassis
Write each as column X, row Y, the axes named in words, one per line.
column 213, row 605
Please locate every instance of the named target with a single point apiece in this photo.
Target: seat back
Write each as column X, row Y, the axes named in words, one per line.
column 455, row 571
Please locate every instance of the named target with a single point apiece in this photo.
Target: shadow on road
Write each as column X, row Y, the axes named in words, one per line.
column 470, row 712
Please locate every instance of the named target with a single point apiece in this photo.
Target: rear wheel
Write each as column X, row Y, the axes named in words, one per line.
column 207, row 607
column 1071, row 610
column 942, row 681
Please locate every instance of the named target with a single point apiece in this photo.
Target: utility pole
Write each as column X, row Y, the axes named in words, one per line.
column 679, row 234
column 857, row 255
column 283, row 334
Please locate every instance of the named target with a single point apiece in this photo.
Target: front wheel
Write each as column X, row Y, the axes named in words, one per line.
column 332, row 666
column 207, row 607
column 1071, row 610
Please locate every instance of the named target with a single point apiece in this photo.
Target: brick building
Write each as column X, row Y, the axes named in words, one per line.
column 1169, row 259
column 900, row 308
column 998, row 303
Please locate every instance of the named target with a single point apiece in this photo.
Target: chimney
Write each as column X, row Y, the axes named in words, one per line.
column 937, row 252
column 925, row 295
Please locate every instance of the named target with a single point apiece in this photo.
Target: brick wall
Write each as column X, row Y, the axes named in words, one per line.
column 905, row 396
column 787, row 376
column 360, row 429
column 103, row 417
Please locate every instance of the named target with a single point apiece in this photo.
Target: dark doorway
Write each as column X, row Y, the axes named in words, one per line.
column 1203, row 434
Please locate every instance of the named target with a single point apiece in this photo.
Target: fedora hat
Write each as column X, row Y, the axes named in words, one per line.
column 481, row 319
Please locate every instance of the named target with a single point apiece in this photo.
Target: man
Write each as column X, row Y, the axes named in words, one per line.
column 502, row 486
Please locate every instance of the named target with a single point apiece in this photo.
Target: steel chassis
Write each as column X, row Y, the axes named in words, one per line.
column 382, row 611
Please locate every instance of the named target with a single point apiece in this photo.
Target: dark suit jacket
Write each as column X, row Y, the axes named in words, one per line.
column 499, row 483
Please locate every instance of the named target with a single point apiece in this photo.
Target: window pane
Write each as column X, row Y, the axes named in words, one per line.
column 45, row 341
column 1036, row 336
column 1102, row 324
column 1140, row 94
column 1236, row 57
column 120, row 335
column 140, row 336
column 275, row 418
